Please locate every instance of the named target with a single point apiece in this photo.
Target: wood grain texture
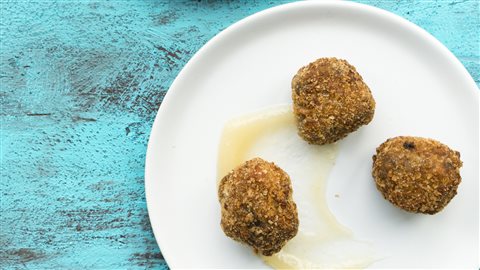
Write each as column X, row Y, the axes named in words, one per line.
column 80, row 86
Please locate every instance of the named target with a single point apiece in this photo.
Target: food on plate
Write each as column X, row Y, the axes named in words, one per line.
column 257, row 206
column 330, row 100
column 417, row 174
column 321, row 242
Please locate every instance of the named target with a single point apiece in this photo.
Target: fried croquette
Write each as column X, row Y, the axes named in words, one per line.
column 417, row 174
column 257, row 206
column 330, row 100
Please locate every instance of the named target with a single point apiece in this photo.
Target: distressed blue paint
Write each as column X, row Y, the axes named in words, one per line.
column 80, row 86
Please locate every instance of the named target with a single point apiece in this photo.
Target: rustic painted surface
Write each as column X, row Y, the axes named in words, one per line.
column 80, row 85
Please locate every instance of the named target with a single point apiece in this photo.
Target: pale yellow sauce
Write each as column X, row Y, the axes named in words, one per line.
column 322, row 242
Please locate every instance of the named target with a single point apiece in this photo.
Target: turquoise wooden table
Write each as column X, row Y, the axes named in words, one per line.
column 81, row 82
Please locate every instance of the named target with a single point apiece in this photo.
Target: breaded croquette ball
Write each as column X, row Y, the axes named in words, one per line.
column 416, row 174
column 330, row 100
column 257, row 206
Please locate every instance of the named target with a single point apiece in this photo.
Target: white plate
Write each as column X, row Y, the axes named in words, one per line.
column 420, row 88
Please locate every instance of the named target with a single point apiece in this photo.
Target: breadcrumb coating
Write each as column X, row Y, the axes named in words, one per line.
column 257, row 206
column 417, row 174
column 330, row 100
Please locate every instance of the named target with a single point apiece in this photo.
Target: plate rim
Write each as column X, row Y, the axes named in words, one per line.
column 273, row 11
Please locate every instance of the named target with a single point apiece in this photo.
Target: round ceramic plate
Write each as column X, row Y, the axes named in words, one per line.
column 420, row 88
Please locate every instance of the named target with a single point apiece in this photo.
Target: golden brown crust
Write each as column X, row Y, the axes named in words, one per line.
column 330, row 100
column 416, row 174
column 257, row 206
